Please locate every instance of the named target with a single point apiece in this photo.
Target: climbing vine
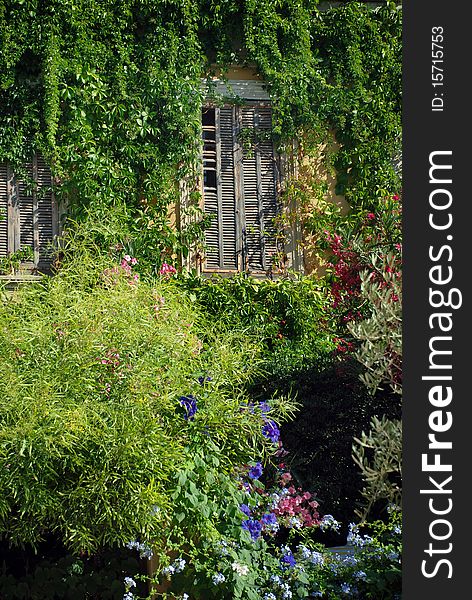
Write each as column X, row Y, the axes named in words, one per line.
column 110, row 93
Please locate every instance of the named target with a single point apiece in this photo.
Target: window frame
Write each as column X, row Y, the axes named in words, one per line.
column 238, row 156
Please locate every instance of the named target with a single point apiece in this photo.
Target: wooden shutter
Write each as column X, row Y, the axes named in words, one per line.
column 29, row 208
column 227, row 183
column 239, row 189
column 47, row 218
column 259, row 190
column 3, row 210
column 219, row 188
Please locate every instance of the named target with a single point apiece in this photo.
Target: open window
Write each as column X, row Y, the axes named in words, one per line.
column 28, row 215
column 240, row 181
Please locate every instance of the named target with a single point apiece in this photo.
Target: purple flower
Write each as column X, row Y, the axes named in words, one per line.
column 254, row 527
column 271, row 431
column 202, row 380
column 264, row 407
column 269, row 519
column 245, row 509
column 190, row 405
column 288, row 560
column 256, row 471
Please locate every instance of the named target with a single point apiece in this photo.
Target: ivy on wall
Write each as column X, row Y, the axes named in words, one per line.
column 109, row 92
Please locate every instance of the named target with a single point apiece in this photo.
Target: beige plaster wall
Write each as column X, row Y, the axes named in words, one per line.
column 316, row 168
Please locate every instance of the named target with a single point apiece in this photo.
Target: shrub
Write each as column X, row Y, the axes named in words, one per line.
column 382, row 467
column 248, row 561
column 104, row 396
column 289, row 317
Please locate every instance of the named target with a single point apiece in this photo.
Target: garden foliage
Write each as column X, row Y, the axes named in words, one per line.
column 110, row 93
column 101, row 403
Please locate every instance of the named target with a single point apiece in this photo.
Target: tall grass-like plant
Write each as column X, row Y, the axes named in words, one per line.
column 106, row 390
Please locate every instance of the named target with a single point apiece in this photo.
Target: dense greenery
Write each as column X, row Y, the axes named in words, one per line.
column 110, row 92
column 135, row 404
column 99, row 383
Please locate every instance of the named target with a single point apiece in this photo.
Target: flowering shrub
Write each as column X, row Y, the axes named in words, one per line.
column 251, row 563
column 361, row 248
column 103, row 398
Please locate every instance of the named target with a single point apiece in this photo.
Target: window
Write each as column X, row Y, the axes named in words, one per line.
column 240, row 180
column 28, row 215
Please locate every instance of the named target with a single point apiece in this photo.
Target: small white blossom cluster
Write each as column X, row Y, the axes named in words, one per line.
column 144, row 550
column 329, row 522
column 355, row 539
column 240, row 569
column 316, row 558
column 284, row 587
column 176, row 567
column 218, row 578
column 129, row 582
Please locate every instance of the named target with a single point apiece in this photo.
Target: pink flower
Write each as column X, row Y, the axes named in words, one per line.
column 167, row 269
column 370, row 216
column 127, row 257
column 134, row 261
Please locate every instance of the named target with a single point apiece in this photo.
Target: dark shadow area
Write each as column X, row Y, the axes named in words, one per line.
column 53, row 573
column 335, row 407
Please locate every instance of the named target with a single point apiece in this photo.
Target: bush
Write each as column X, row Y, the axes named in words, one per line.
column 247, row 560
column 289, row 317
column 105, row 394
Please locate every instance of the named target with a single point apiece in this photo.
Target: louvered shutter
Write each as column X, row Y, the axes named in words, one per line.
column 227, row 182
column 46, row 212
column 29, row 210
column 239, row 189
column 219, row 189
column 26, row 211
column 3, row 210
column 259, row 190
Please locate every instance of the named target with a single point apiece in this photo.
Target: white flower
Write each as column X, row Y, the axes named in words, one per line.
column 240, row 569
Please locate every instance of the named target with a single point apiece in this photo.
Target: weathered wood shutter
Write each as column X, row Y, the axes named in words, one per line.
column 219, row 188
column 259, row 190
column 3, row 210
column 29, row 211
column 239, row 189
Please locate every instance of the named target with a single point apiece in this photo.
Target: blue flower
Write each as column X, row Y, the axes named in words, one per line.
column 360, row 575
column 202, row 380
column 190, row 405
column 288, row 560
column 317, row 558
column 271, row 431
column 218, row 578
column 179, row 564
column 329, row 522
column 245, row 509
column 350, row 561
column 254, row 527
column 269, row 519
column 130, row 582
column 144, row 550
column 264, row 407
column 345, row 588
column 256, row 471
